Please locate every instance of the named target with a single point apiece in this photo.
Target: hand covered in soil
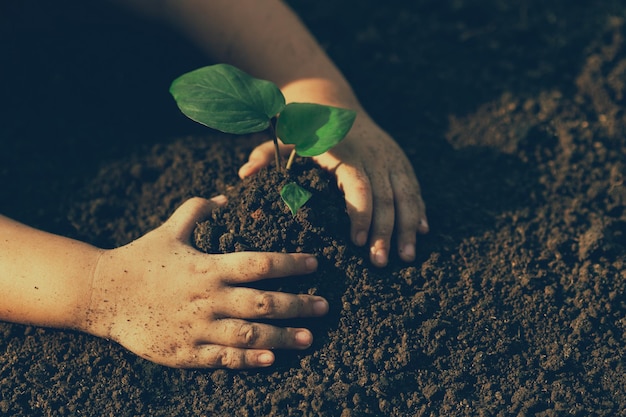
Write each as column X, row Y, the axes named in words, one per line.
column 380, row 187
column 173, row 305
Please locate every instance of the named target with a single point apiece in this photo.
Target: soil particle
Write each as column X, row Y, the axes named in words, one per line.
column 512, row 114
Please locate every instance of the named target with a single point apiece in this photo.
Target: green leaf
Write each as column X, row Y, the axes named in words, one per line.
column 294, row 196
column 313, row 128
column 225, row 98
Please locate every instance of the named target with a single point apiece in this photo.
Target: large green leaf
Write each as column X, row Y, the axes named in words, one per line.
column 225, row 98
column 313, row 128
column 294, row 196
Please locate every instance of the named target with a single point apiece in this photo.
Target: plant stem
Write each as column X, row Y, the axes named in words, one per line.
column 292, row 155
column 275, row 140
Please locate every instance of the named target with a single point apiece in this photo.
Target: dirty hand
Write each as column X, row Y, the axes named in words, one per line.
column 173, row 305
column 380, row 188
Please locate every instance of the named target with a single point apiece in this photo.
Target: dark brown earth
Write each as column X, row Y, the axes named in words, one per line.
column 512, row 113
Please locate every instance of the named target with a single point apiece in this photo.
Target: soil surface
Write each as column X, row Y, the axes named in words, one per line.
column 512, row 113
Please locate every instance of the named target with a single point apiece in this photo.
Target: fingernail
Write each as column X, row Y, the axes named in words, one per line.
column 266, row 358
column 360, row 239
column 219, row 199
column 320, row 307
column 311, row 263
column 304, row 338
column 408, row 251
column 380, row 256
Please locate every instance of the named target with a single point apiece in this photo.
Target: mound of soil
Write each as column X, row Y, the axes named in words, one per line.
column 512, row 113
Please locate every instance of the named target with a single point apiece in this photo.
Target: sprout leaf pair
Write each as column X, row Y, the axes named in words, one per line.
column 227, row 99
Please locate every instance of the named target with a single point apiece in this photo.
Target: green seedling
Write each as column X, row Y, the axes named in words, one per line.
column 227, row 99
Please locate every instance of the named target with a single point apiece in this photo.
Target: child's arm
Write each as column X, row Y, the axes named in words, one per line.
column 157, row 296
column 44, row 278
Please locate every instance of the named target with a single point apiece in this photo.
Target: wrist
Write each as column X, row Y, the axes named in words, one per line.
column 45, row 278
column 97, row 317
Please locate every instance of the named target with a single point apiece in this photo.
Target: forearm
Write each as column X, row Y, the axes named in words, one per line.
column 264, row 38
column 45, row 279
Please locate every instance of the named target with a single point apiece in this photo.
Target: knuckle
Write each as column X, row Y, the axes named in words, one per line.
column 264, row 265
column 409, row 219
column 248, row 334
column 277, row 338
column 386, row 200
column 360, row 221
column 265, row 305
column 195, row 201
column 382, row 231
column 298, row 305
column 227, row 358
column 411, row 198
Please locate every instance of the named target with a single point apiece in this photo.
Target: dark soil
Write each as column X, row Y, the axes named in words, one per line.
column 512, row 113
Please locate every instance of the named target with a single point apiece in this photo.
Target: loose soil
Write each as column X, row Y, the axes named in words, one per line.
column 512, row 113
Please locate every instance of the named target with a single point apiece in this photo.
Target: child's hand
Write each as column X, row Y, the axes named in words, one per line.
column 380, row 187
column 173, row 305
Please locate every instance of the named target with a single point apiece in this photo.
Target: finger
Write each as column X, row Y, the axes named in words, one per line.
column 382, row 221
column 250, row 335
column 184, row 219
column 249, row 303
column 410, row 214
column 357, row 190
column 216, row 356
column 260, row 157
column 243, row 267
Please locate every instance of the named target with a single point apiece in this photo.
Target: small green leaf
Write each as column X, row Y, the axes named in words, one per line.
column 313, row 128
column 225, row 98
column 294, row 196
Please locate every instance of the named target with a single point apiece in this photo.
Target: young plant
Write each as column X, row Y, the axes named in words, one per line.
column 227, row 99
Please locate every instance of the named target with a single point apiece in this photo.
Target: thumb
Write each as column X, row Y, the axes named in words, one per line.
column 184, row 219
column 260, row 157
